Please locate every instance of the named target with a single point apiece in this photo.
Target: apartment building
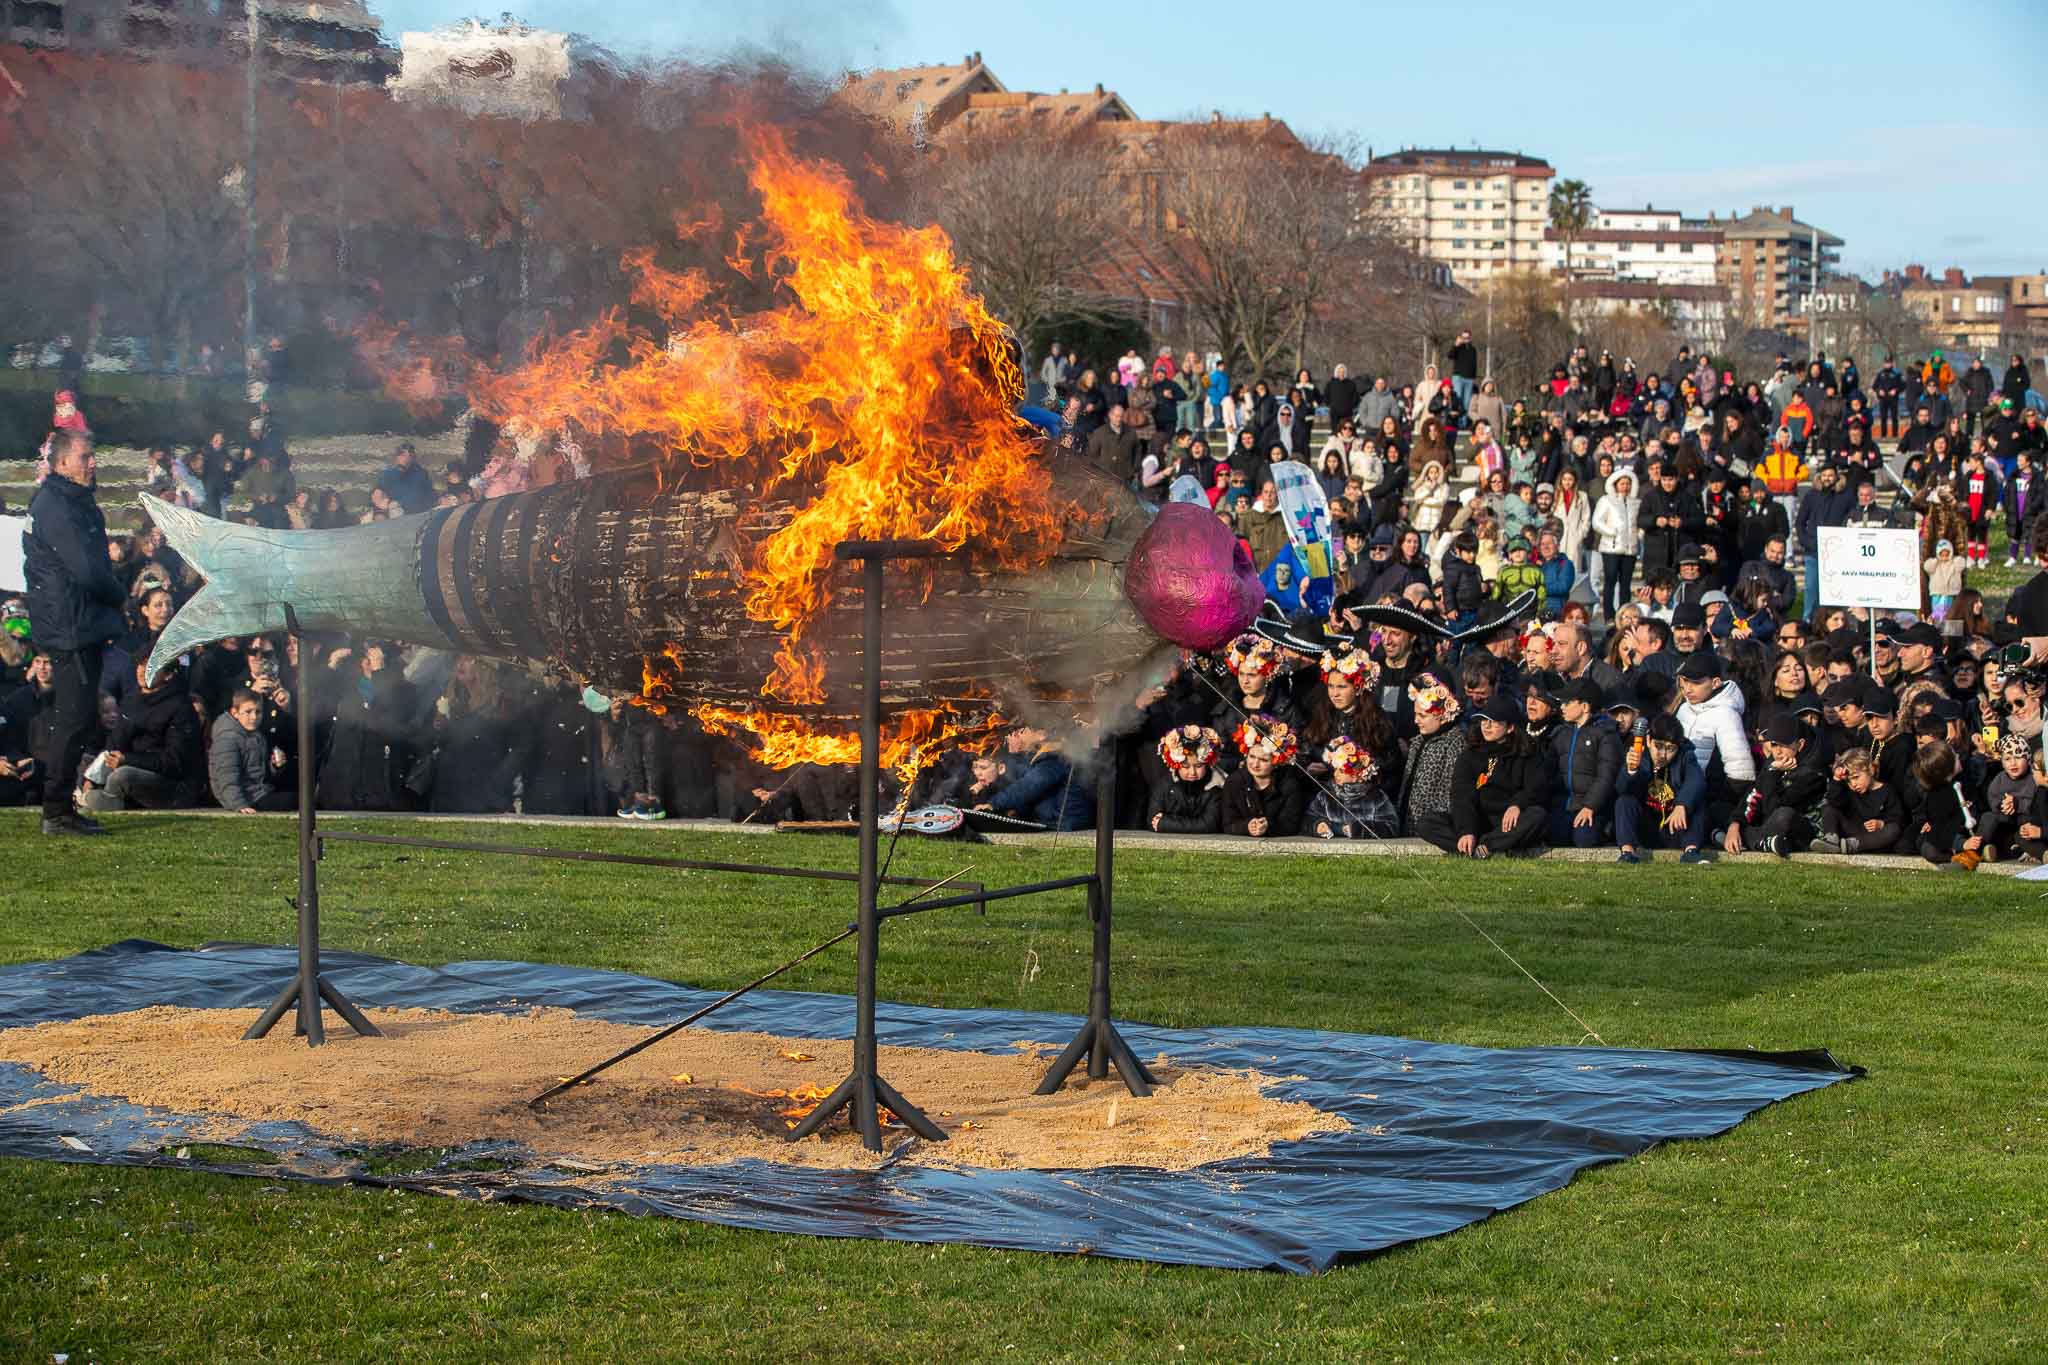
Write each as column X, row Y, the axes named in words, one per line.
column 1770, row 262
column 1647, row 246
column 1479, row 212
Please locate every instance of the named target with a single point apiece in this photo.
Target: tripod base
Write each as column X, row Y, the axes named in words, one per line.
column 860, row 1094
column 1101, row 1044
column 295, row 992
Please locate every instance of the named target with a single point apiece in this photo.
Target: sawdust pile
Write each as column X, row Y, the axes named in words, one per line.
column 700, row 1098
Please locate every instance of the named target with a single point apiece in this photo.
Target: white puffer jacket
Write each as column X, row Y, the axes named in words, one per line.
column 1614, row 520
column 1714, row 728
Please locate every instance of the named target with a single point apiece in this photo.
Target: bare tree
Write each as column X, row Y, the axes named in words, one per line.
column 1262, row 229
column 1885, row 326
column 1029, row 215
column 134, row 200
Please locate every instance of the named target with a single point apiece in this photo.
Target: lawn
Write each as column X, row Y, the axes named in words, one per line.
column 1897, row 1217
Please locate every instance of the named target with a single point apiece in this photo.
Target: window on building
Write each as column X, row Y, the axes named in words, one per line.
column 1457, row 184
column 1499, row 224
column 1685, row 248
column 1459, row 204
column 1955, row 303
column 1660, row 248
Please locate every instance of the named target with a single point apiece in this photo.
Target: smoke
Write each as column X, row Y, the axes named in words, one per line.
column 817, row 35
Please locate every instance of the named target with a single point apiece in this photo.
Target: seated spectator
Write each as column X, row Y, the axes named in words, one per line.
column 241, row 761
column 1045, row 789
column 1864, row 814
column 156, row 755
column 1190, row 800
column 1353, row 805
column 1266, row 797
column 1662, row 797
column 2013, row 805
column 26, row 718
column 1432, row 757
column 1499, row 788
column 1586, row 755
column 1946, row 835
column 1518, row 575
column 1782, row 812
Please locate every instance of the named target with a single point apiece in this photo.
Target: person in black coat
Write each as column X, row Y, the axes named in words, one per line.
column 156, row 752
column 367, row 708
column 1586, row 756
column 1782, row 813
column 1499, row 787
column 1266, row 798
column 1188, row 802
column 1670, row 515
column 74, row 606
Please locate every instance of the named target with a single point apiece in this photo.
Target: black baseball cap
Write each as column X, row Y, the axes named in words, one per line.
column 1700, row 666
column 1689, row 616
column 1502, row 708
column 1783, row 728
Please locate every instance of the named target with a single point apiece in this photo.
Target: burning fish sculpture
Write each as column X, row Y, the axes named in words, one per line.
column 641, row 590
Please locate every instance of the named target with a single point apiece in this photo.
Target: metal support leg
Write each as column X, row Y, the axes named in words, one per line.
column 1098, row 1039
column 864, row 1089
column 308, row 988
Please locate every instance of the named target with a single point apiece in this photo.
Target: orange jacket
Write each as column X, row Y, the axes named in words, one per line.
column 1781, row 471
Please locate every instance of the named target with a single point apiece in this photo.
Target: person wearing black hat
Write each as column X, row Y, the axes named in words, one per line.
column 1693, row 582
column 1689, row 634
column 1782, row 810
column 1920, row 655
column 1498, row 788
column 1671, row 516
column 1539, row 705
column 1383, row 576
column 1586, row 755
column 1660, row 799
column 1889, row 743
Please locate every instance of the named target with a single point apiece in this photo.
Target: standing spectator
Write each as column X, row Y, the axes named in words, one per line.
column 1824, row 505
column 1341, row 395
column 1464, row 368
column 1887, row 387
column 2022, row 508
column 75, row 602
column 1671, row 515
column 1052, row 374
column 1376, row 406
column 1976, row 387
column 1112, row 447
column 1618, row 539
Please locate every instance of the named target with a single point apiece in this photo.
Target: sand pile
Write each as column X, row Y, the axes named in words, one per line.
column 700, row 1098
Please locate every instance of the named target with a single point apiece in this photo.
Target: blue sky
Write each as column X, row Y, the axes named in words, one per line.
column 1913, row 131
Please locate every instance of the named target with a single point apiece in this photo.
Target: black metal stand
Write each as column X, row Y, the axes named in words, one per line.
column 309, row 987
column 1098, row 1039
column 864, row 1090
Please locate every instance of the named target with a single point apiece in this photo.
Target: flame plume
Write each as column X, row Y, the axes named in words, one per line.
column 879, row 398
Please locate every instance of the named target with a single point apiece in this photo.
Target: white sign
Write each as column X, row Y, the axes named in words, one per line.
column 13, row 578
column 1862, row 566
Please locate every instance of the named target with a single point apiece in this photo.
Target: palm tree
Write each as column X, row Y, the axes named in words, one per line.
column 1571, row 210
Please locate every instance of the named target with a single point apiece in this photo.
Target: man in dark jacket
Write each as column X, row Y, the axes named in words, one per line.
column 1464, row 369
column 1760, row 519
column 1825, row 504
column 1887, row 387
column 156, row 756
column 74, row 604
column 1586, row 755
column 406, row 482
column 1499, row 787
column 1670, row 515
column 1976, row 386
column 1045, row 787
column 1342, row 396
column 1113, row 446
column 1769, row 569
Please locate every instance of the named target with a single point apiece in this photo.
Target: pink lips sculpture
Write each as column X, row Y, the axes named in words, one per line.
column 1191, row 580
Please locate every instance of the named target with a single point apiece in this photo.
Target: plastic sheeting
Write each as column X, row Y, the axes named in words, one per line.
column 1453, row 1134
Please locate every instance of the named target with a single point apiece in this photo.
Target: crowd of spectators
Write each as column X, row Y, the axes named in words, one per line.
column 1601, row 638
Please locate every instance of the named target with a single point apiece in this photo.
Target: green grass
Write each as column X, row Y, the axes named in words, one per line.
column 1900, row 1217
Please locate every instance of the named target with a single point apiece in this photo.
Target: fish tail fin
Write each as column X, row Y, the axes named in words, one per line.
column 239, row 597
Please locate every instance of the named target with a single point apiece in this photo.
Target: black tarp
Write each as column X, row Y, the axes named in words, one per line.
column 1451, row 1135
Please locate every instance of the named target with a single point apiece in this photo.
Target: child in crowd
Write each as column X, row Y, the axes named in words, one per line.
column 1864, row 813
column 1188, row 801
column 1947, row 835
column 2013, row 804
column 1944, row 579
column 1518, row 575
column 1778, row 817
column 1266, row 797
column 1663, row 794
column 1353, row 807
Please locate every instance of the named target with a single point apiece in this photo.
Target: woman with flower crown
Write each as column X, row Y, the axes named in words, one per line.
column 1266, row 798
column 1190, row 800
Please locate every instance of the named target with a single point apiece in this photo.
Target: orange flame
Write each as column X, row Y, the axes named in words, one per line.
column 909, row 740
column 880, row 398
